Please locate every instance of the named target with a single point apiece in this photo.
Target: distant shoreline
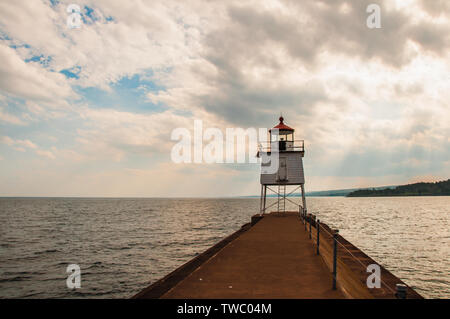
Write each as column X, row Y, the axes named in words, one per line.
column 206, row 198
column 417, row 189
column 392, row 195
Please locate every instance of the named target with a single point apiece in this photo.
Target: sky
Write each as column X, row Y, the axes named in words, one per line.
column 89, row 111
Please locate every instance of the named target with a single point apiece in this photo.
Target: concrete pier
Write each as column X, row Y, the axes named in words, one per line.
column 273, row 257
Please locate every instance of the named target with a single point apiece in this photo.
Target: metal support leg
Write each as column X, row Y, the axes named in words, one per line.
column 264, row 201
column 261, row 200
column 278, row 199
column 302, row 186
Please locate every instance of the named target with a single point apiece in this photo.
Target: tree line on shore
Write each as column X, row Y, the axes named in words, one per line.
column 417, row 189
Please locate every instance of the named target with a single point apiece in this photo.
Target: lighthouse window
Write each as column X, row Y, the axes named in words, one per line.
column 290, row 137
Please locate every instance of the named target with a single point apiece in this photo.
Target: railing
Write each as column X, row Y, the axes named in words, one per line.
column 297, row 145
column 310, row 220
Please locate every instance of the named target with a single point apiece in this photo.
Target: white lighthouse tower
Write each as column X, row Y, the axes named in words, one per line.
column 282, row 168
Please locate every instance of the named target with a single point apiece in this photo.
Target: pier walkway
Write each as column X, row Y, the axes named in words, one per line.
column 273, row 259
column 276, row 256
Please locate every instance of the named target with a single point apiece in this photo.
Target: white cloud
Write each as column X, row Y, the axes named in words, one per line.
column 17, row 144
column 44, row 153
column 116, row 133
column 24, row 145
column 10, row 118
column 31, row 81
column 143, row 36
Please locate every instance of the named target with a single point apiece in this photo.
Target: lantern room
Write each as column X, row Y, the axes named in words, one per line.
column 282, row 134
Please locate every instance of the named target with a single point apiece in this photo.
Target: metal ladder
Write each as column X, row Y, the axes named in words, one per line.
column 282, row 199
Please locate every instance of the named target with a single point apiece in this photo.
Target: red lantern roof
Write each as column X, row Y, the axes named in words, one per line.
column 282, row 126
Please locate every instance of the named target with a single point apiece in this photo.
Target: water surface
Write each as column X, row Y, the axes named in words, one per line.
column 123, row 245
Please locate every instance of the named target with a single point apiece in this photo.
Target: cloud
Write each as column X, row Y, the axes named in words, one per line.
column 24, row 145
column 47, row 154
column 117, row 134
column 19, row 145
column 118, row 39
column 261, row 60
column 10, row 118
column 306, row 29
column 30, row 81
column 436, row 7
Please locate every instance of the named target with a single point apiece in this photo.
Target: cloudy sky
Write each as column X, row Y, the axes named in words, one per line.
column 90, row 111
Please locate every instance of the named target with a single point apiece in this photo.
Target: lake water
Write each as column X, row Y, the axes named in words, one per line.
column 123, row 245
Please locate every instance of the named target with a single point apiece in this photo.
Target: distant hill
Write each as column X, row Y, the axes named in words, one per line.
column 417, row 189
column 327, row 193
column 339, row 192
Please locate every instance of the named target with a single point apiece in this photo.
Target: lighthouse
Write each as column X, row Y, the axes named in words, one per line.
column 282, row 168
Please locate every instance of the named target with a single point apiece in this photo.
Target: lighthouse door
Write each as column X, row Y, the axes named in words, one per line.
column 282, row 170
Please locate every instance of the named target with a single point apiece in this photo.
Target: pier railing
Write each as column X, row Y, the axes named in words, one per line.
column 296, row 145
column 338, row 252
